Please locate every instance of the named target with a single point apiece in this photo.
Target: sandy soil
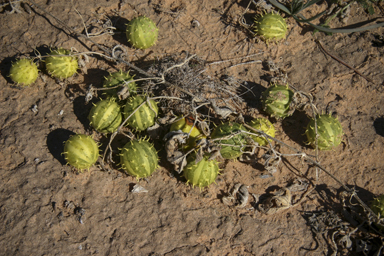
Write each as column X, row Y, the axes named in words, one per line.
column 48, row 209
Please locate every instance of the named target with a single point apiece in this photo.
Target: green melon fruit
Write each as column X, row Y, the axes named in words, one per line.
column 201, row 174
column 329, row 132
column 119, row 78
column 276, row 101
column 105, row 116
column 24, row 72
column 233, row 148
column 139, row 158
column 264, row 125
column 81, row 151
column 142, row 32
column 271, row 26
column 144, row 117
column 61, row 66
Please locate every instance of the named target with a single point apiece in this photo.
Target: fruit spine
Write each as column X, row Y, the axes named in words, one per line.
column 105, row 116
column 24, row 72
column 61, row 66
column 142, row 115
column 271, row 26
column 139, row 158
column 276, row 101
column 329, row 132
column 81, row 151
column 201, row 174
column 142, row 32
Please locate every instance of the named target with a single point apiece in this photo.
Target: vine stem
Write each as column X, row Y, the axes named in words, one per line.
column 343, row 62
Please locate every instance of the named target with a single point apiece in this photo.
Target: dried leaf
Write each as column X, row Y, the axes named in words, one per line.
column 279, row 201
column 298, row 185
column 243, row 196
column 174, row 155
column 199, row 155
column 169, row 118
column 83, row 66
column 346, row 241
column 229, row 200
column 238, row 197
column 204, row 127
column 224, row 112
column 90, row 93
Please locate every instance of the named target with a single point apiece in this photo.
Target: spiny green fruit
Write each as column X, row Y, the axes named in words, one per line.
column 271, row 26
column 329, row 132
column 139, row 158
column 81, row 151
column 262, row 124
column 142, row 32
column 119, row 78
column 24, row 72
column 377, row 206
column 276, row 100
column 223, row 130
column 186, row 125
column 144, row 117
column 105, row 116
column 61, row 66
column 201, row 174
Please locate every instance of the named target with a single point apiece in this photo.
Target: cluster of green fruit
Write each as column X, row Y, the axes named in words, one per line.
column 138, row 157
column 326, row 134
column 228, row 135
column 107, row 114
column 141, row 33
column 60, row 64
column 232, row 137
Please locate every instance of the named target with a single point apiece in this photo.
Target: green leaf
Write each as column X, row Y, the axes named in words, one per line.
column 297, row 6
column 310, row 19
column 309, row 3
column 280, row 6
column 325, row 26
column 346, row 30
